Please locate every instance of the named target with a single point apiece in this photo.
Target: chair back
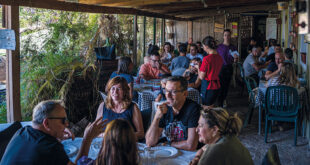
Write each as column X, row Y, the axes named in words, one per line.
column 241, row 70
column 250, row 85
column 103, row 95
column 282, row 101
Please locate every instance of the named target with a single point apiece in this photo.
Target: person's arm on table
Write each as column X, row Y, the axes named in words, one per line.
column 197, row 156
column 163, row 69
column 190, row 144
column 91, row 132
column 158, row 98
column 153, row 133
column 137, row 122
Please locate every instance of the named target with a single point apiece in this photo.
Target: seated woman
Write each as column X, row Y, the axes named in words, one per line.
column 118, row 147
column 124, row 69
column 218, row 130
column 166, row 55
column 118, row 104
column 191, row 74
column 287, row 76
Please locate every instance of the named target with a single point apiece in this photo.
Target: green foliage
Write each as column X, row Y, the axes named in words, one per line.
column 57, row 49
column 51, row 45
column 2, row 113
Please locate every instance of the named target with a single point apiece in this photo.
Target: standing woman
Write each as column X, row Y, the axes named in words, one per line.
column 118, row 105
column 209, row 72
column 226, row 73
column 166, row 55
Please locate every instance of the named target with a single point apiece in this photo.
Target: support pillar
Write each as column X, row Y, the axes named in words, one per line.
column 134, row 50
column 11, row 15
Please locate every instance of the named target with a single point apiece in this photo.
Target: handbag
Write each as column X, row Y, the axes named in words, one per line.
column 106, row 52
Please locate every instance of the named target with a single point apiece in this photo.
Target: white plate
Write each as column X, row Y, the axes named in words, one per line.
column 172, row 162
column 70, row 149
column 164, row 151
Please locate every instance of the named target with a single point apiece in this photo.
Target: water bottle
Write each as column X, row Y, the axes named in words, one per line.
column 141, row 80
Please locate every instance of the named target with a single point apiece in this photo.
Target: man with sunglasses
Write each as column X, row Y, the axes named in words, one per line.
column 177, row 118
column 39, row 143
column 154, row 69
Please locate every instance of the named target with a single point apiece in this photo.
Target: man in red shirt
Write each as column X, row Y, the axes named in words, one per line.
column 154, row 69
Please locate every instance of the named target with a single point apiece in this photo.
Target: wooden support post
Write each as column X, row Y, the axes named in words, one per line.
column 190, row 29
column 13, row 66
column 134, row 49
column 154, row 31
column 144, row 33
column 162, row 32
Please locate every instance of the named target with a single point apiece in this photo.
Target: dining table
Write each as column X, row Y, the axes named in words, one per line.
column 304, row 110
column 158, row 155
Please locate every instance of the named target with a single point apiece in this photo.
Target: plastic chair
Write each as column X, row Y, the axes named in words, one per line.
column 250, row 84
column 242, row 75
column 281, row 105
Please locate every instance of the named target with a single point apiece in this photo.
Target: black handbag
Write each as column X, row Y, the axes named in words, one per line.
column 105, row 52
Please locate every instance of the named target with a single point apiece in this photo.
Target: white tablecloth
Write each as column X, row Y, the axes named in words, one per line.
column 72, row 147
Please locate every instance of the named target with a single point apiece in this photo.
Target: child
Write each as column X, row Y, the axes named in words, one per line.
column 161, row 96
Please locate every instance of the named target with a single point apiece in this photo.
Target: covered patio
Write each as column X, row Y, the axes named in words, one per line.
column 177, row 21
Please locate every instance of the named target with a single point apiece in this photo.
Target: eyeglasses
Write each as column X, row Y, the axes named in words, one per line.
column 173, row 92
column 64, row 120
column 156, row 61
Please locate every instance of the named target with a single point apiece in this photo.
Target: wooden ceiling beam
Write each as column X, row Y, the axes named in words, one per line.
column 214, row 12
column 75, row 7
column 198, row 5
column 136, row 3
column 185, row 11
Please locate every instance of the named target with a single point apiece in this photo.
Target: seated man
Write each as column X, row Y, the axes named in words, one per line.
column 154, row 69
column 40, row 144
column 251, row 65
column 272, row 69
column 193, row 52
column 181, row 61
column 178, row 117
column 288, row 56
column 277, row 49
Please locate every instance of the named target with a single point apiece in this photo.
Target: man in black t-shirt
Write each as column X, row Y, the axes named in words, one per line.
column 40, row 144
column 274, row 67
column 177, row 118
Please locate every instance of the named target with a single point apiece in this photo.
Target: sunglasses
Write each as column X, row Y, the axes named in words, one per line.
column 64, row 120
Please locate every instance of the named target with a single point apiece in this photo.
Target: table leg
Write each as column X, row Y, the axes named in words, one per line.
column 259, row 119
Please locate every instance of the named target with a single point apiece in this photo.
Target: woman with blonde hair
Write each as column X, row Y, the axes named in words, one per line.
column 118, row 104
column 118, row 147
column 219, row 130
column 287, row 76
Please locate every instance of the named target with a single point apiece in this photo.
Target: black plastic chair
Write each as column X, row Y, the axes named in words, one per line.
column 6, row 135
column 281, row 105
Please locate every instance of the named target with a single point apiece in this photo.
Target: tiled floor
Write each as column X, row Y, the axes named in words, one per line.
column 289, row 154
